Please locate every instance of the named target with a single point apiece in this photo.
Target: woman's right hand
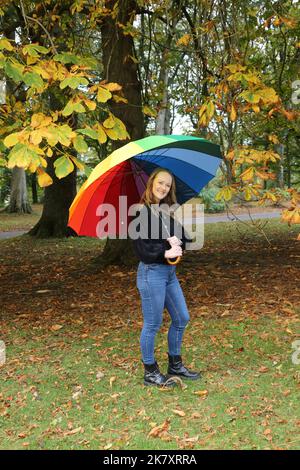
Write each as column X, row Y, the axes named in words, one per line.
column 173, row 252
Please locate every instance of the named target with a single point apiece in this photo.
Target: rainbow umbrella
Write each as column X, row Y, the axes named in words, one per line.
column 193, row 162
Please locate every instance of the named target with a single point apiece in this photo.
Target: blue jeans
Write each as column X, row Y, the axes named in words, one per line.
column 159, row 288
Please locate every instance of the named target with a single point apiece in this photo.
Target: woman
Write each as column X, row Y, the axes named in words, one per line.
column 156, row 279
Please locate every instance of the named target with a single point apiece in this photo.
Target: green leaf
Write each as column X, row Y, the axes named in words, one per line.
column 33, row 80
column 79, row 108
column 63, row 166
column 250, row 96
column 64, row 134
column 68, row 109
column 14, row 71
column 34, row 49
column 78, row 163
column 80, row 144
column 71, row 107
column 73, row 82
column 89, row 62
column 149, row 112
column 21, row 156
column 89, row 132
column 66, row 58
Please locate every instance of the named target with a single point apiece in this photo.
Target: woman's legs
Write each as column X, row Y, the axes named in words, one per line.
column 152, row 287
column 177, row 308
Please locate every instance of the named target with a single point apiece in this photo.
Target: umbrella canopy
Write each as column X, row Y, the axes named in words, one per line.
column 193, row 162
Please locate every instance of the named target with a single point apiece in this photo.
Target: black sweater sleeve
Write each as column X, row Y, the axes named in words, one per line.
column 150, row 251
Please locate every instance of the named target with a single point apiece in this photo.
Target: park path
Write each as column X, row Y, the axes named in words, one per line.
column 207, row 220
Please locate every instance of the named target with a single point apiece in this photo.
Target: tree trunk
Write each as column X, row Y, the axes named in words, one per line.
column 18, row 196
column 162, row 122
column 280, row 172
column 34, row 189
column 58, row 198
column 118, row 50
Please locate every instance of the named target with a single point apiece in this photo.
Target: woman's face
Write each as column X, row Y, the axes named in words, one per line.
column 161, row 185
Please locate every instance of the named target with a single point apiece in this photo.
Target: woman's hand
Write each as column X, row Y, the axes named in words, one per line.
column 173, row 252
column 174, row 241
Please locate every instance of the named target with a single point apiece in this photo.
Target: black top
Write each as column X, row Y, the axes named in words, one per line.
column 151, row 245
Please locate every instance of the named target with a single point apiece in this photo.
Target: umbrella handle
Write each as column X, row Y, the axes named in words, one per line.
column 174, row 262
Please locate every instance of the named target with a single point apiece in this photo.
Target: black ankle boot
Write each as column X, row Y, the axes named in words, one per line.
column 153, row 376
column 177, row 368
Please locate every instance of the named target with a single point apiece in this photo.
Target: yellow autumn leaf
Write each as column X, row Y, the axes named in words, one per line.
column 30, row 60
column 224, row 193
column 102, row 137
column 112, row 380
column 233, row 68
column 263, row 175
column 201, row 393
column 11, row 139
column 103, row 94
column 157, row 431
column 119, row 99
column 248, row 194
column 273, row 138
column 91, row 105
column 271, row 196
column 36, row 137
column 78, row 163
column 268, row 95
column 112, row 86
column 256, row 108
column 40, row 120
column 44, row 179
column 233, row 114
column 179, row 413
column 277, row 21
column 56, row 327
column 248, row 174
column 203, row 118
column 149, row 112
column 292, row 216
column 110, row 122
column 227, row 193
column 49, row 152
column 184, row 40
column 5, row 44
column 112, row 134
column 230, row 155
column 210, row 110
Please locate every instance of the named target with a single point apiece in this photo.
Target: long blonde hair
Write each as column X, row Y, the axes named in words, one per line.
column 148, row 196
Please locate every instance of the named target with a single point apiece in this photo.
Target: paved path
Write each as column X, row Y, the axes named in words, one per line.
column 207, row 220
column 15, row 233
column 231, row 218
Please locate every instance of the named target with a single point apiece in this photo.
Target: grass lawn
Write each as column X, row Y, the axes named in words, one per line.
column 73, row 375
